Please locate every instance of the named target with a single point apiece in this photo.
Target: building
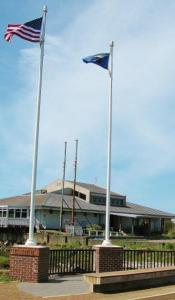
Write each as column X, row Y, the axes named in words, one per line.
column 89, row 206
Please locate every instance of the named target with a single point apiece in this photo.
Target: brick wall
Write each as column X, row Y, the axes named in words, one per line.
column 108, row 259
column 29, row 264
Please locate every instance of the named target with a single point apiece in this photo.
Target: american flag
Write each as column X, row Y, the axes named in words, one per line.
column 30, row 31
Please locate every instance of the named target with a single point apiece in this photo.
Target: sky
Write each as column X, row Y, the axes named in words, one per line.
column 75, row 97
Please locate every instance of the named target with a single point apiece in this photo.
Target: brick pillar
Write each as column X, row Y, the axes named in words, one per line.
column 108, row 259
column 29, row 264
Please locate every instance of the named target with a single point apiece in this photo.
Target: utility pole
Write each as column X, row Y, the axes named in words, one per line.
column 75, row 175
column 62, row 194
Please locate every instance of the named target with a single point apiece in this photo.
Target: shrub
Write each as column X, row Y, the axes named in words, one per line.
column 4, row 262
column 171, row 233
column 93, row 227
column 168, row 246
column 169, row 227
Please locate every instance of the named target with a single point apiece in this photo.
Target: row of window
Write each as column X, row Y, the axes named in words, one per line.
column 102, row 201
column 14, row 213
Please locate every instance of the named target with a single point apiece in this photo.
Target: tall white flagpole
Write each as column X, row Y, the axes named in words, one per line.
column 31, row 241
column 107, row 241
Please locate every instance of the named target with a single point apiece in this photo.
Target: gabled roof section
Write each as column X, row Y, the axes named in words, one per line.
column 92, row 188
column 147, row 210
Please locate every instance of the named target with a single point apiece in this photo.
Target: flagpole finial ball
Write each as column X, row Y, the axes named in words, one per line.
column 45, row 8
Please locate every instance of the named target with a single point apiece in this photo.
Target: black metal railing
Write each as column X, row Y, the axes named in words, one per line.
column 73, row 261
column 64, row 261
column 143, row 259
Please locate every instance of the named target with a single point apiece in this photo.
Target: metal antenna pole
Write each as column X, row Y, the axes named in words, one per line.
column 62, row 194
column 75, row 175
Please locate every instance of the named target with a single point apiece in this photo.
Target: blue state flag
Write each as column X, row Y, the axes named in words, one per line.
column 101, row 59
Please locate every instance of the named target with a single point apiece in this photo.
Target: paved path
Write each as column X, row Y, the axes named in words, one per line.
column 58, row 286
column 14, row 291
column 74, row 288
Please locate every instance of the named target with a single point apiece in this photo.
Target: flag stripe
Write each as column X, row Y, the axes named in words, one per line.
column 20, row 27
column 26, row 36
column 30, row 31
column 23, row 30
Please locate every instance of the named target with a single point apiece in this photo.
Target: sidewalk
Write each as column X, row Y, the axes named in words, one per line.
column 58, row 286
column 74, row 288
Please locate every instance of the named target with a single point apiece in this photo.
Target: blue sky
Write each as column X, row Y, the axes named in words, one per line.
column 75, row 97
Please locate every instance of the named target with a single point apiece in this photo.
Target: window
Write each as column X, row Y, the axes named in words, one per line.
column 11, row 213
column 76, row 193
column 82, row 196
column 98, row 200
column 117, row 202
column 24, row 213
column 101, row 200
column 4, row 213
column 17, row 213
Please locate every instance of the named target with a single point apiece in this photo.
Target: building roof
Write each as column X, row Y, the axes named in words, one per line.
column 90, row 187
column 96, row 189
column 53, row 200
column 22, row 200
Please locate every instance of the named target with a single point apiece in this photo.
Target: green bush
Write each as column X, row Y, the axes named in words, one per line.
column 4, row 262
column 168, row 246
column 93, row 227
column 169, row 227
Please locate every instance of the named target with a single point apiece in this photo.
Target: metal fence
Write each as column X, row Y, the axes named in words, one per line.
column 63, row 261
column 143, row 259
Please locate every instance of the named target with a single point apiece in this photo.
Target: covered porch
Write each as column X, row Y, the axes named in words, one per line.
column 136, row 224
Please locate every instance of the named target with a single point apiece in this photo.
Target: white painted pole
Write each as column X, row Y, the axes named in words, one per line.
column 31, row 241
column 107, row 241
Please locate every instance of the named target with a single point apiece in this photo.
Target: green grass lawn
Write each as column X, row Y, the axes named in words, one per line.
column 4, row 277
column 144, row 245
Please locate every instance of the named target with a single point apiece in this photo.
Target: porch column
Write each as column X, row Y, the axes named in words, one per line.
column 132, row 227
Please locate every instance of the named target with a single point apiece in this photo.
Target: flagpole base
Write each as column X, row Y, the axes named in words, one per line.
column 107, row 243
column 30, row 243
